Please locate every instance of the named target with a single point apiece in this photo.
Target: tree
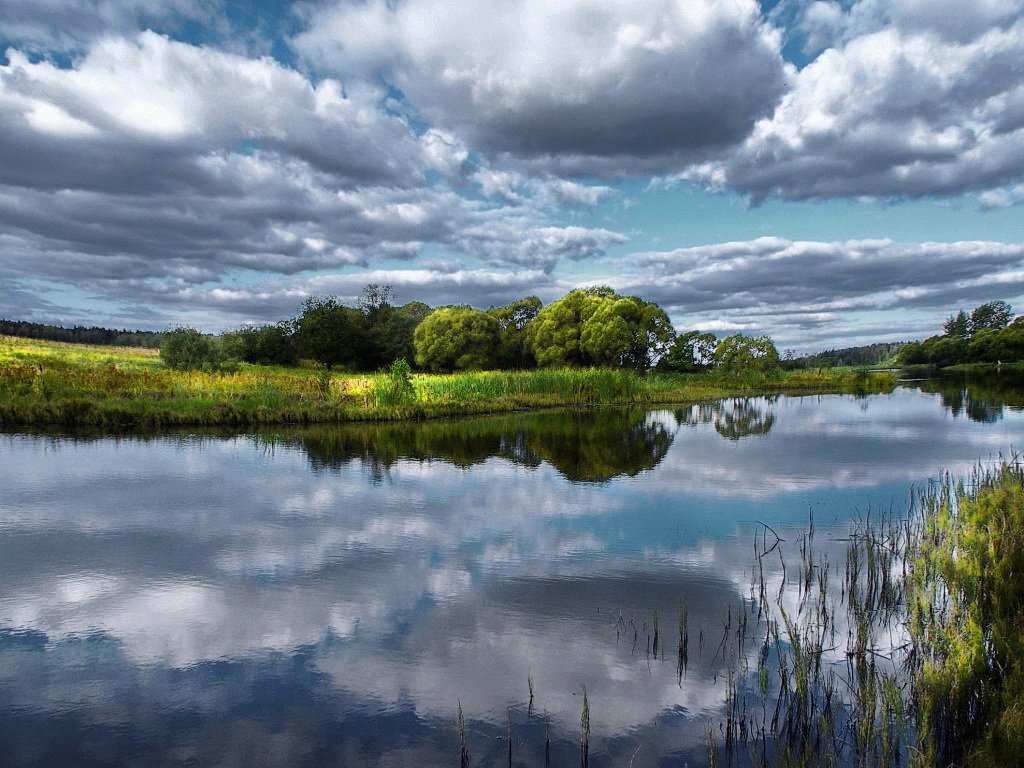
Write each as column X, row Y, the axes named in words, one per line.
column 554, row 335
column 626, row 332
column 596, row 326
column 186, row 349
column 692, row 351
column 744, row 353
column 457, row 339
column 957, row 325
column 513, row 349
column 394, row 336
column 329, row 332
column 267, row 344
column 994, row 314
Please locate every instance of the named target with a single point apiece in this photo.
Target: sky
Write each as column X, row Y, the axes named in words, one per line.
column 826, row 172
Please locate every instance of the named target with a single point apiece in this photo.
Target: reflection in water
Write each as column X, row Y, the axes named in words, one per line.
column 259, row 600
column 593, row 445
column 979, row 397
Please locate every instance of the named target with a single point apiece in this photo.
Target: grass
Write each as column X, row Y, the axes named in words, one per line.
column 967, row 617
column 50, row 383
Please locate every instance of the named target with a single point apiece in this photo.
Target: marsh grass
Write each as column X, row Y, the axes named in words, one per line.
column 65, row 384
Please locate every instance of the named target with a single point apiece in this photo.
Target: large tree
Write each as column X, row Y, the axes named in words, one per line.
column 596, row 326
column 329, row 332
column 457, row 339
column 745, row 353
column 692, row 351
column 626, row 332
column 513, row 319
column 994, row 315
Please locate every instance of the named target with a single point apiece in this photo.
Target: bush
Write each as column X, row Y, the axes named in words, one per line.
column 186, row 349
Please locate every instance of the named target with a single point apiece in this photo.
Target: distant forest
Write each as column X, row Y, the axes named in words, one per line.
column 80, row 334
column 869, row 354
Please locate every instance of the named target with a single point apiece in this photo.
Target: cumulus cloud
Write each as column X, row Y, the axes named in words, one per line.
column 585, row 86
column 153, row 160
column 914, row 99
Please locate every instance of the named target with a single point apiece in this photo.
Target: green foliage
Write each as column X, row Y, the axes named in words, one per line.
column 626, row 332
column 739, row 353
column 456, row 339
column 692, row 351
column 186, row 349
column 266, row 344
column 329, row 332
column 968, row 620
column 554, row 335
column 513, row 350
column 596, row 326
column 993, row 315
column 395, row 388
column 957, row 325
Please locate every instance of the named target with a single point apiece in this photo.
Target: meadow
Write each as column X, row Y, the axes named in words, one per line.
column 43, row 383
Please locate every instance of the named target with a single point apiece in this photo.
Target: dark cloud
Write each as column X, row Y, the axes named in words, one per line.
column 607, row 86
column 805, row 291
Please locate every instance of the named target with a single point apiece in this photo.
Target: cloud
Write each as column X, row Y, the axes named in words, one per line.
column 806, row 292
column 154, row 161
column 588, row 86
column 134, row 114
column 915, row 99
column 61, row 25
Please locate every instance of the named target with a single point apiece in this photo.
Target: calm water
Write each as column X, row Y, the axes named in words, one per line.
column 329, row 597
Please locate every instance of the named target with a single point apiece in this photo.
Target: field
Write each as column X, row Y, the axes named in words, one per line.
column 49, row 383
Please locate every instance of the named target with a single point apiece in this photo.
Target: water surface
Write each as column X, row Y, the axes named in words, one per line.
column 331, row 596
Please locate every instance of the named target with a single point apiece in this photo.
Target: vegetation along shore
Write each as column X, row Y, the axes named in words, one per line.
column 69, row 384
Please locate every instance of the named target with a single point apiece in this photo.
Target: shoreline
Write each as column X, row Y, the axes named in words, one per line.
column 136, row 413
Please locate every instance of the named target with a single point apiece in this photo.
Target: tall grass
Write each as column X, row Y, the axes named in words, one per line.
column 51, row 383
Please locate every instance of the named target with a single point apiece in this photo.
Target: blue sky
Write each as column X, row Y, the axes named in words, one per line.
column 828, row 173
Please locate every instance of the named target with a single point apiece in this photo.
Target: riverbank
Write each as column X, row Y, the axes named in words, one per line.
column 49, row 383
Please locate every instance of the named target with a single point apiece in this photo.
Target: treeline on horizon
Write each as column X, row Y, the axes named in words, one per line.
column 986, row 335
column 80, row 334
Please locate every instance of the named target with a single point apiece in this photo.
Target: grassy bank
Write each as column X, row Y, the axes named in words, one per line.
column 51, row 383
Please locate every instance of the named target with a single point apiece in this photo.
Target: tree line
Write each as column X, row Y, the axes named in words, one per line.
column 587, row 327
column 80, row 334
column 986, row 335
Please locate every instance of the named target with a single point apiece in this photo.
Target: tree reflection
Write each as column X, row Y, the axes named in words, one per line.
column 979, row 397
column 733, row 419
column 584, row 446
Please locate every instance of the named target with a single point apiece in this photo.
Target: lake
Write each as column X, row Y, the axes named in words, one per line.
column 335, row 596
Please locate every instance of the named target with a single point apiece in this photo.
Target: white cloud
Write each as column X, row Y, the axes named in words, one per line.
column 916, row 100
column 586, row 85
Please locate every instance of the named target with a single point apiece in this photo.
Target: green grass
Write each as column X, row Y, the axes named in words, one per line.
column 68, row 384
column 967, row 618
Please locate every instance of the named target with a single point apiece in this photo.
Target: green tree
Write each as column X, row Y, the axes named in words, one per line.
column 329, row 332
column 267, row 344
column 626, row 332
column 457, row 339
column 513, row 319
column 554, row 335
column 394, row 336
column 957, row 325
column 596, row 326
column 745, row 353
column 186, row 349
column 692, row 351
column 994, row 314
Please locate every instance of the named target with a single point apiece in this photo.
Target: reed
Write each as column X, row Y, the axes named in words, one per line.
column 47, row 383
